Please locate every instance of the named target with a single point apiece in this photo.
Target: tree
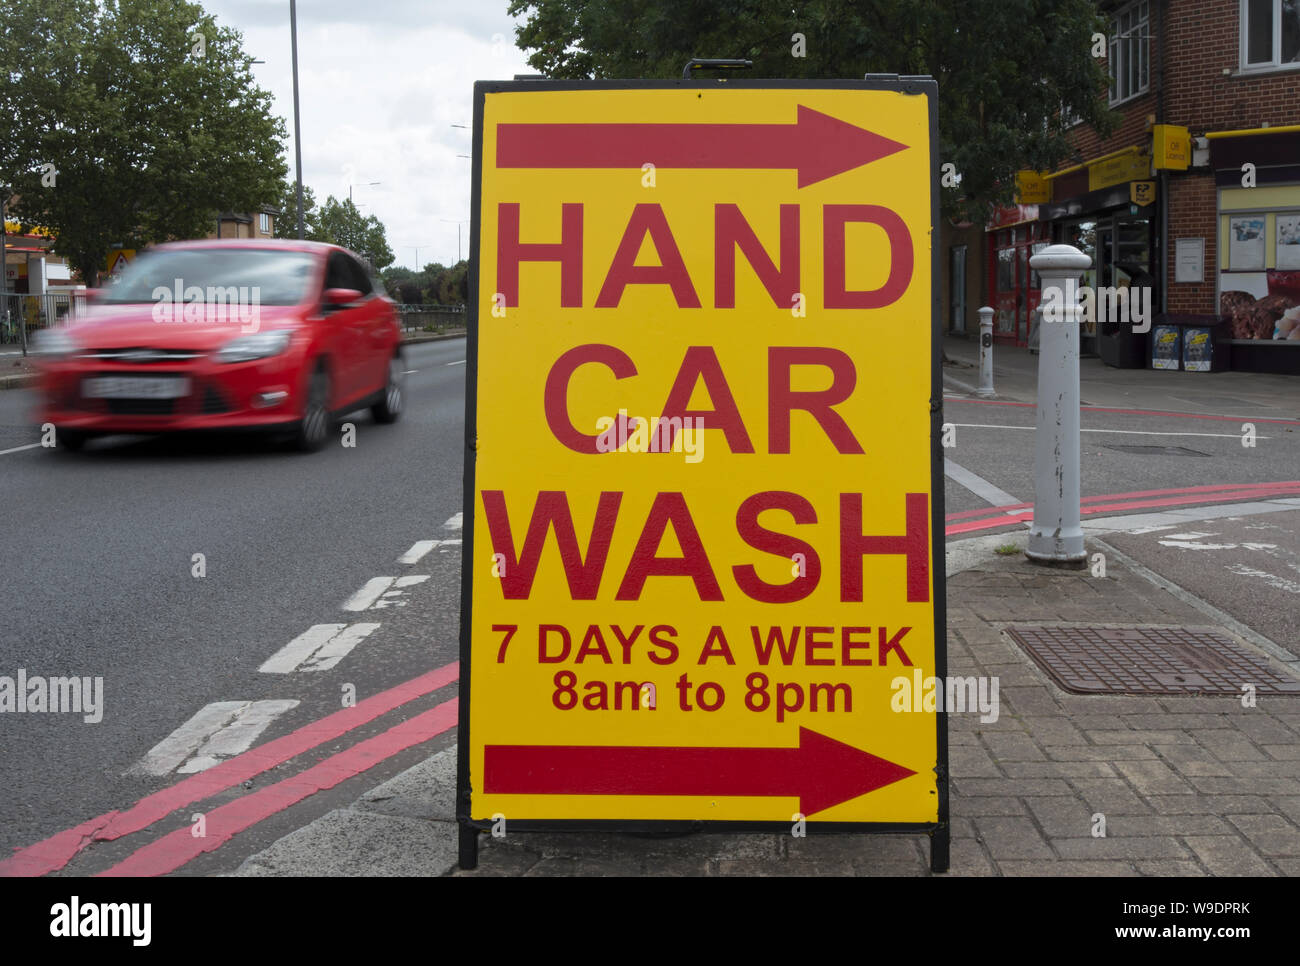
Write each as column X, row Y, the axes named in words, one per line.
column 128, row 122
column 340, row 223
column 1006, row 69
column 286, row 225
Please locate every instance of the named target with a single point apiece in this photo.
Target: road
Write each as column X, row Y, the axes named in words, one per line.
column 99, row 564
column 97, row 557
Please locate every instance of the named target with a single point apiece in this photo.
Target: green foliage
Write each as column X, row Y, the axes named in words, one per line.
column 435, row 284
column 340, row 223
column 1005, row 68
column 286, row 225
column 148, row 137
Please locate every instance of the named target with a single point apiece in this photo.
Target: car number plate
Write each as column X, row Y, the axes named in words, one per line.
column 136, row 387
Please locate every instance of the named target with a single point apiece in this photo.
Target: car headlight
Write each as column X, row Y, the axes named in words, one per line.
column 53, row 343
column 259, row 345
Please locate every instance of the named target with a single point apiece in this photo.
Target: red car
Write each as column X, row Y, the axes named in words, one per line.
column 239, row 334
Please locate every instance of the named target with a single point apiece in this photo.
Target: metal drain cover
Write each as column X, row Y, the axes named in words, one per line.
column 1156, row 450
column 1148, row 660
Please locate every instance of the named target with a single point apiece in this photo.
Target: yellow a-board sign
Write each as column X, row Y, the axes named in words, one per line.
column 703, row 570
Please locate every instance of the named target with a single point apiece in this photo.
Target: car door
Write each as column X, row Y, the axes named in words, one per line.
column 346, row 325
column 372, row 361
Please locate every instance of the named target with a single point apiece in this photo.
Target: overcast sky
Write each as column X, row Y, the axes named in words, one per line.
column 380, row 85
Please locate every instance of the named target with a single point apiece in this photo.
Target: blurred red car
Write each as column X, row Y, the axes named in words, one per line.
column 237, row 334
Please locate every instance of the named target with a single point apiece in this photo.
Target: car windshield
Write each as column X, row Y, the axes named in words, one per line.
column 279, row 277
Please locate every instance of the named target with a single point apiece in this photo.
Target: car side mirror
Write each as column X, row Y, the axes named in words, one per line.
column 338, row 297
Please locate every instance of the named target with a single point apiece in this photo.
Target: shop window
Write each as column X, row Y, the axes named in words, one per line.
column 1270, row 34
column 1130, row 49
column 1006, row 269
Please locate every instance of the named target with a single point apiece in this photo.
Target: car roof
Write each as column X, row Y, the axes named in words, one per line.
column 275, row 244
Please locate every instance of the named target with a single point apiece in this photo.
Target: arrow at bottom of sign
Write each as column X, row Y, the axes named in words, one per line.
column 821, row 771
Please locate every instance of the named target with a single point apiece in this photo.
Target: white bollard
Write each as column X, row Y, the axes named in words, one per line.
column 986, row 352
column 1056, row 537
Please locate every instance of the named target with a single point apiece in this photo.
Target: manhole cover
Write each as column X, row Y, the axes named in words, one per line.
column 1148, row 660
column 1157, row 450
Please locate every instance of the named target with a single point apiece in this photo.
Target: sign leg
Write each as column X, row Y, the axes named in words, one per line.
column 468, row 852
column 939, row 849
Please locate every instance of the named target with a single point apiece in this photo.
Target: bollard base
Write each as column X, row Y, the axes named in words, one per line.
column 985, row 393
column 1061, row 563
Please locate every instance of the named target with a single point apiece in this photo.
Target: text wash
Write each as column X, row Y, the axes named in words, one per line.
column 732, row 232
column 584, row 569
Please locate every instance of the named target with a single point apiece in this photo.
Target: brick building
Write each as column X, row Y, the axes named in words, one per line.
column 1196, row 194
column 257, row 224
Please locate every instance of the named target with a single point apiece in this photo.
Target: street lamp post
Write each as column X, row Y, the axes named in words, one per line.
column 297, row 129
column 463, row 221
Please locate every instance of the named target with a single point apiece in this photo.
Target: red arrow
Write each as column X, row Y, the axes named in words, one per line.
column 818, row 145
column 821, row 772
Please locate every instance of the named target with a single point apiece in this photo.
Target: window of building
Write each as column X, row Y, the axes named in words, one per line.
column 264, row 223
column 1130, row 49
column 1270, row 33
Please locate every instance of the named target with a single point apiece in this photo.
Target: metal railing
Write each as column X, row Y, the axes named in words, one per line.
column 434, row 317
column 34, row 312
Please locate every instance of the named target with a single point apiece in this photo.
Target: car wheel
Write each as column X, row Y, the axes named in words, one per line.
column 389, row 408
column 315, row 425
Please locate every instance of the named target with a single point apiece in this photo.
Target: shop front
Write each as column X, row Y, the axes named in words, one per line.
column 1113, row 224
column 1257, row 176
column 1014, row 235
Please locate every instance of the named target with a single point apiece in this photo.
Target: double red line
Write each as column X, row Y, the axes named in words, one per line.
column 990, row 518
column 173, row 850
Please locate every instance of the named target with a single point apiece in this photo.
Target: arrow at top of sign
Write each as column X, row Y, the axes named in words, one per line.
column 821, row 772
column 817, row 145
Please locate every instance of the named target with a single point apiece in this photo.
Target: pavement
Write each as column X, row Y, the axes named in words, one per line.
column 1015, row 378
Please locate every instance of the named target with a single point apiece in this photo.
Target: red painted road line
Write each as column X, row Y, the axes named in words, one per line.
column 58, row 850
column 1140, row 412
column 1227, row 497
column 225, row 822
column 1214, row 488
column 986, row 510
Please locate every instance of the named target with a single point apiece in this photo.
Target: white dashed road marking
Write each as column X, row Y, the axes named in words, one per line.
column 422, row 547
column 453, row 522
column 219, row 731
column 458, row 362
column 18, row 449
column 381, row 592
column 981, row 487
column 318, row 648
